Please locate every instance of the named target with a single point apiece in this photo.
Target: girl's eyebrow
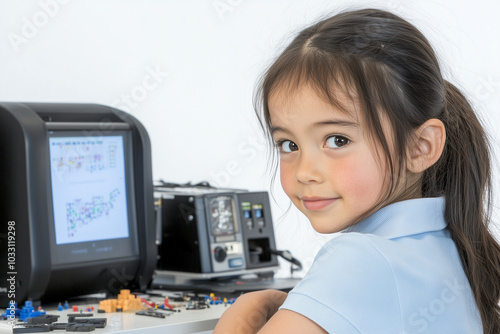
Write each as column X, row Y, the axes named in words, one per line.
column 275, row 129
column 336, row 122
column 343, row 123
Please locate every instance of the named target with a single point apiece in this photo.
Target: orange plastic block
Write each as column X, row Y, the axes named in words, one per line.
column 124, row 302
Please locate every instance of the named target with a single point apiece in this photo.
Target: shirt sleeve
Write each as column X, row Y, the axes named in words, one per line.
column 350, row 288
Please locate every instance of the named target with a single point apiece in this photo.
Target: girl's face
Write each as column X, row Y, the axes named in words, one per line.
column 330, row 168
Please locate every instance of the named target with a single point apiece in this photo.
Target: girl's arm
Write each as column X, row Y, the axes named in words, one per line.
column 250, row 312
column 258, row 311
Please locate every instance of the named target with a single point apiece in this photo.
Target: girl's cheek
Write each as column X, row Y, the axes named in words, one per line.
column 362, row 178
column 286, row 177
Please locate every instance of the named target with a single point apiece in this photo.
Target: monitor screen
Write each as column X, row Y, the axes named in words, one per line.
column 92, row 196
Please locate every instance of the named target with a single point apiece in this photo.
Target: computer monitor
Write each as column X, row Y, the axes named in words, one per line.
column 77, row 192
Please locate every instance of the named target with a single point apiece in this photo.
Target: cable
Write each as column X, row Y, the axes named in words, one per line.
column 287, row 255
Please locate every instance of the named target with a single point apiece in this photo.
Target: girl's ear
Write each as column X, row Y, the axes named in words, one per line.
column 427, row 145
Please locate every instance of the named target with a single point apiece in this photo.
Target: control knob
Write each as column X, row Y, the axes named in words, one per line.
column 220, row 254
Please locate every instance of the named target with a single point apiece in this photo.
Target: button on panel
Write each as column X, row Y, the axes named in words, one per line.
column 236, row 262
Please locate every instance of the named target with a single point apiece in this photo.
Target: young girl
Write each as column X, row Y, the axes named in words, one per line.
column 373, row 142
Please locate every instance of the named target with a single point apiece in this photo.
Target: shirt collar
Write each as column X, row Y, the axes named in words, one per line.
column 404, row 218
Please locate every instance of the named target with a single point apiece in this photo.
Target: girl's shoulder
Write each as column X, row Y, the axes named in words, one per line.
column 347, row 278
column 379, row 285
column 433, row 253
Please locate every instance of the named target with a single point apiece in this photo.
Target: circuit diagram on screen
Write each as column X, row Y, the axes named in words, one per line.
column 88, row 188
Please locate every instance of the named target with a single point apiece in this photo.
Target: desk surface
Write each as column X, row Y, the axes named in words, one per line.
column 185, row 321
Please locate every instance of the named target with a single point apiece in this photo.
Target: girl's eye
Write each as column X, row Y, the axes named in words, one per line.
column 336, row 141
column 288, row 146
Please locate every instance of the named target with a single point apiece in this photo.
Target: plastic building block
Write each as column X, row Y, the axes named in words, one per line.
column 73, row 316
column 28, row 311
column 80, row 328
column 58, row 325
column 124, row 302
column 43, row 319
column 97, row 322
column 108, row 306
column 25, row 328
column 154, row 314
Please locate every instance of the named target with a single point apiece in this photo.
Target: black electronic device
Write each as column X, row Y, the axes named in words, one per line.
column 214, row 232
column 77, row 208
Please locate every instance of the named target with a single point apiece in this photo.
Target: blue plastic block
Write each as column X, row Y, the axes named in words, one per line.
column 28, row 311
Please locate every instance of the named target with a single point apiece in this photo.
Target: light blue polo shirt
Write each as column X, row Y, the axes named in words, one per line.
column 398, row 271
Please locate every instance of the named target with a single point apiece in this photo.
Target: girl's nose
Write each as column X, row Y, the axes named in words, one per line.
column 309, row 169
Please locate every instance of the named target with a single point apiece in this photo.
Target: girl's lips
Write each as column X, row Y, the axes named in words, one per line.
column 315, row 204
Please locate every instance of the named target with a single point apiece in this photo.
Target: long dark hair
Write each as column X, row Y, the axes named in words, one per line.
column 387, row 65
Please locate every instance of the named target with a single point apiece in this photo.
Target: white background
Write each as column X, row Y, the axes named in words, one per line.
column 187, row 70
